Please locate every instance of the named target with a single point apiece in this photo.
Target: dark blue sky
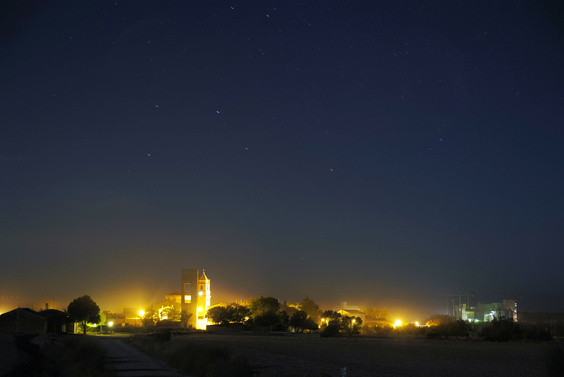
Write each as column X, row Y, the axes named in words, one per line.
column 379, row 153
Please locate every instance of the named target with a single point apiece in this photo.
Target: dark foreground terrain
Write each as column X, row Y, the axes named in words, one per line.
column 303, row 355
column 313, row 356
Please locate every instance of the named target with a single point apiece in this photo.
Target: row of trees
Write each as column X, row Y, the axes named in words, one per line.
column 267, row 312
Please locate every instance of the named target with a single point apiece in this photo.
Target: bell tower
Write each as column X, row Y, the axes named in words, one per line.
column 204, row 297
column 195, row 297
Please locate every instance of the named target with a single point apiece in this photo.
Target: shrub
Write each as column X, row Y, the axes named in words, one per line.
column 457, row 329
column 502, row 330
column 555, row 360
column 162, row 335
column 73, row 356
column 377, row 331
column 332, row 329
column 196, row 360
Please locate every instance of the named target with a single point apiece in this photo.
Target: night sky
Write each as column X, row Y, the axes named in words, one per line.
column 383, row 153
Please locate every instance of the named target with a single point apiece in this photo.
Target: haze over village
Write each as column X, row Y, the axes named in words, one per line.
column 394, row 155
column 193, row 295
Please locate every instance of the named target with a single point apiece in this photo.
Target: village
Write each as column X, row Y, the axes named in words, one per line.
column 190, row 308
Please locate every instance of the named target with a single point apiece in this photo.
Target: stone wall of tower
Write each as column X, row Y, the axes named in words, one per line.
column 189, row 295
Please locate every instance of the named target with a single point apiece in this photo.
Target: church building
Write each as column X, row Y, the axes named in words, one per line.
column 195, row 297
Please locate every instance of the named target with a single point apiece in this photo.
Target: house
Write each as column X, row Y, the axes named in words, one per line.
column 57, row 321
column 23, row 321
column 350, row 311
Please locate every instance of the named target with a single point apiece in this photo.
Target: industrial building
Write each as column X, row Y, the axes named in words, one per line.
column 507, row 309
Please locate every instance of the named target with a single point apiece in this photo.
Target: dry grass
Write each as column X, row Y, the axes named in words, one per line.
column 8, row 352
column 50, row 355
column 198, row 360
column 303, row 355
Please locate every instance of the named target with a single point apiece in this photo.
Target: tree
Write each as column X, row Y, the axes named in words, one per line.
column 335, row 324
column 377, row 314
column 184, row 318
column 268, row 319
column 238, row 313
column 103, row 320
column 290, row 309
column 224, row 315
column 439, row 320
column 330, row 323
column 218, row 314
column 283, row 322
column 311, row 308
column 310, row 324
column 330, row 316
column 83, row 310
column 351, row 325
column 150, row 317
column 170, row 313
column 298, row 320
column 264, row 306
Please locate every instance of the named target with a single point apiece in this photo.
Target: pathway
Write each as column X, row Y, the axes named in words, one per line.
column 127, row 361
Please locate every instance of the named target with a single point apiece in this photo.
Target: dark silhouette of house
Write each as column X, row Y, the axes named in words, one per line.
column 22, row 321
column 57, row 320
column 27, row 321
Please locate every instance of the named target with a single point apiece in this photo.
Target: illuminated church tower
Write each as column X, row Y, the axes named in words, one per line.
column 203, row 300
column 195, row 297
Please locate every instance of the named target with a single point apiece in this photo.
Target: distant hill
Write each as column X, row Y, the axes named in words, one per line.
column 540, row 317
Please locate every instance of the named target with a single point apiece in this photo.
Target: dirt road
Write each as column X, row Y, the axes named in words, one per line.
column 127, row 361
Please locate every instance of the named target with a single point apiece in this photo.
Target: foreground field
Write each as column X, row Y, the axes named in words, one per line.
column 302, row 355
column 8, row 352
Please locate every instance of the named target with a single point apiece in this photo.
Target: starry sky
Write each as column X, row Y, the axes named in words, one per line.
column 383, row 153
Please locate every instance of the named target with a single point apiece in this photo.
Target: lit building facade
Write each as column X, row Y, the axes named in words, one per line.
column 195, row 296
column 487, row 312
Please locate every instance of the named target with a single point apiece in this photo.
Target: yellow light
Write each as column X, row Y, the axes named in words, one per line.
column 200, row 293
column 397, row 323
column 141, row 313
column 111, row 323
column 417, row 324
column 200, row 309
